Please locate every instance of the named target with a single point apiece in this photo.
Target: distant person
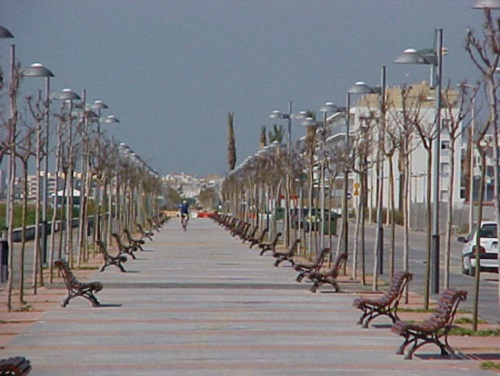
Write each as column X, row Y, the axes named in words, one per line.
column 184, row 211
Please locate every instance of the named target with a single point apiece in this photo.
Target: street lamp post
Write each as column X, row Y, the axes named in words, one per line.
column 6, row 271
column 358, row 88
column 328, row 107
column 288, row 116
column 38, row 70
column 433, row 58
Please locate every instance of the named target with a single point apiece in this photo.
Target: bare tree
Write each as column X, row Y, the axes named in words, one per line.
column 457, row 107
column 484, row 52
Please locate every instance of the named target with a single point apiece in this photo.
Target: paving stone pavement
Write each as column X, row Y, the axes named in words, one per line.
column 201, row 303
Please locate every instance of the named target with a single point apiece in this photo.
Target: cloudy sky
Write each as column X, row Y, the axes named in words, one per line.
column 171, row 70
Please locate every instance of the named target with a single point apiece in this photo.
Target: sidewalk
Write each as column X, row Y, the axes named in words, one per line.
column 201, row 303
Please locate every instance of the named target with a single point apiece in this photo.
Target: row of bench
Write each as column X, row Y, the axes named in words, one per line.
column 21, row 366
column 88, row 290
column 314, row 271
column 434, row 329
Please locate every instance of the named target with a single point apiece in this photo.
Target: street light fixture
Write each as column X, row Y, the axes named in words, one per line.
column 288, row 116
column 434, row 58
column 358, row 88
column 486, row 4
column 7, row 240
column 38, row 70
column 327, row 108
column 69, row 96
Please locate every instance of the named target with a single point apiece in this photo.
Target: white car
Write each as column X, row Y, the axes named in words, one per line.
column 488, row 251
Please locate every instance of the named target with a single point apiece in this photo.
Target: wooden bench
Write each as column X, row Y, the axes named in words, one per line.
column 434, row 329
column 286, row 256
column 153, row 225
column 135, row 242
column 122, row 248
column 76, row 288
column 15, row 366
column 259, row 239
column 387, row 304
column 108, row 259
column 320, row 277
column 304, row 268
column 144, row 234
column 269, row 246
column 250, row 235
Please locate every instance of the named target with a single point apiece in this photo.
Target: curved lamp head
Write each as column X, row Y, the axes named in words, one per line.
column 111, row 119
column 276, row 115
column 361, row 88
column 330, row 107
column 37, row 70
column 486, row 4
column 99, row 105
column 65, row 95
column 4, row 33
column 309, row 122
column 412, row 56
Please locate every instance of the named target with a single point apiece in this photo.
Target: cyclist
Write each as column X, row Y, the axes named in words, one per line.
column 184, row 211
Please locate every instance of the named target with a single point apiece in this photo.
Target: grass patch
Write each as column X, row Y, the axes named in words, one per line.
column 468, row 320
column 459, row 331
column 416, row 310
column 490, row 365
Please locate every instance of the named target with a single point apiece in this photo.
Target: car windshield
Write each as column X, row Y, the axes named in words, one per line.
column 488, row 230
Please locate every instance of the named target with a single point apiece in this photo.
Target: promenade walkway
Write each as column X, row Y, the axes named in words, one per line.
column 201, row 303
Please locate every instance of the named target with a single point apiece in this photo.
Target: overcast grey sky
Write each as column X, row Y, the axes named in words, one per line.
column 171, row 70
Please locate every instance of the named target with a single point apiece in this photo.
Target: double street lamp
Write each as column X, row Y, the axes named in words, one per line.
column 38, row 70
column 288, row 116
column 432, row 57
column 358, row 88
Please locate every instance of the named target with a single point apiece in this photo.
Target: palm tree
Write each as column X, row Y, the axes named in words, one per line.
column 277, row 134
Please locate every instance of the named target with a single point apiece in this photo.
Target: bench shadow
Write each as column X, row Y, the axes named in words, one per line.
column 109, row 305
column 479, row 356
column 438, row 356
column 382, row 326
column 132, row 271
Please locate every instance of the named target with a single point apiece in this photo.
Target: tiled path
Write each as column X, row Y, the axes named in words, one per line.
column 201, row 303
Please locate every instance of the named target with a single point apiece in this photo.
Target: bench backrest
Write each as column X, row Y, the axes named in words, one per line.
column 293, row 247
column 320, row 257
column 397, row 286
column 68, row 277
column 254, row 231
column 339, row 261
column 276, row 238
column 448, row 302
column 118, row 240
column 263, row 235
column 17, row 365
column 127, row 234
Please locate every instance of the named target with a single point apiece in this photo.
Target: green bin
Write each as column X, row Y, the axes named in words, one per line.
column 330, row 226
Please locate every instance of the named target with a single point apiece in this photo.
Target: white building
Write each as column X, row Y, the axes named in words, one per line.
column 418, row 109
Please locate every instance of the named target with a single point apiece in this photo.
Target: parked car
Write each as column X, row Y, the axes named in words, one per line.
column 488, row 250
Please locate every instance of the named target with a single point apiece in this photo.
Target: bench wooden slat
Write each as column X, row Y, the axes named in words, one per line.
column 304, row 268
column 269, row 246
column 109, row 259
column 434, row 329
column 319, row 277
column 75, row 288
column 387, row 304
column 15, row 366
column 287, row 256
